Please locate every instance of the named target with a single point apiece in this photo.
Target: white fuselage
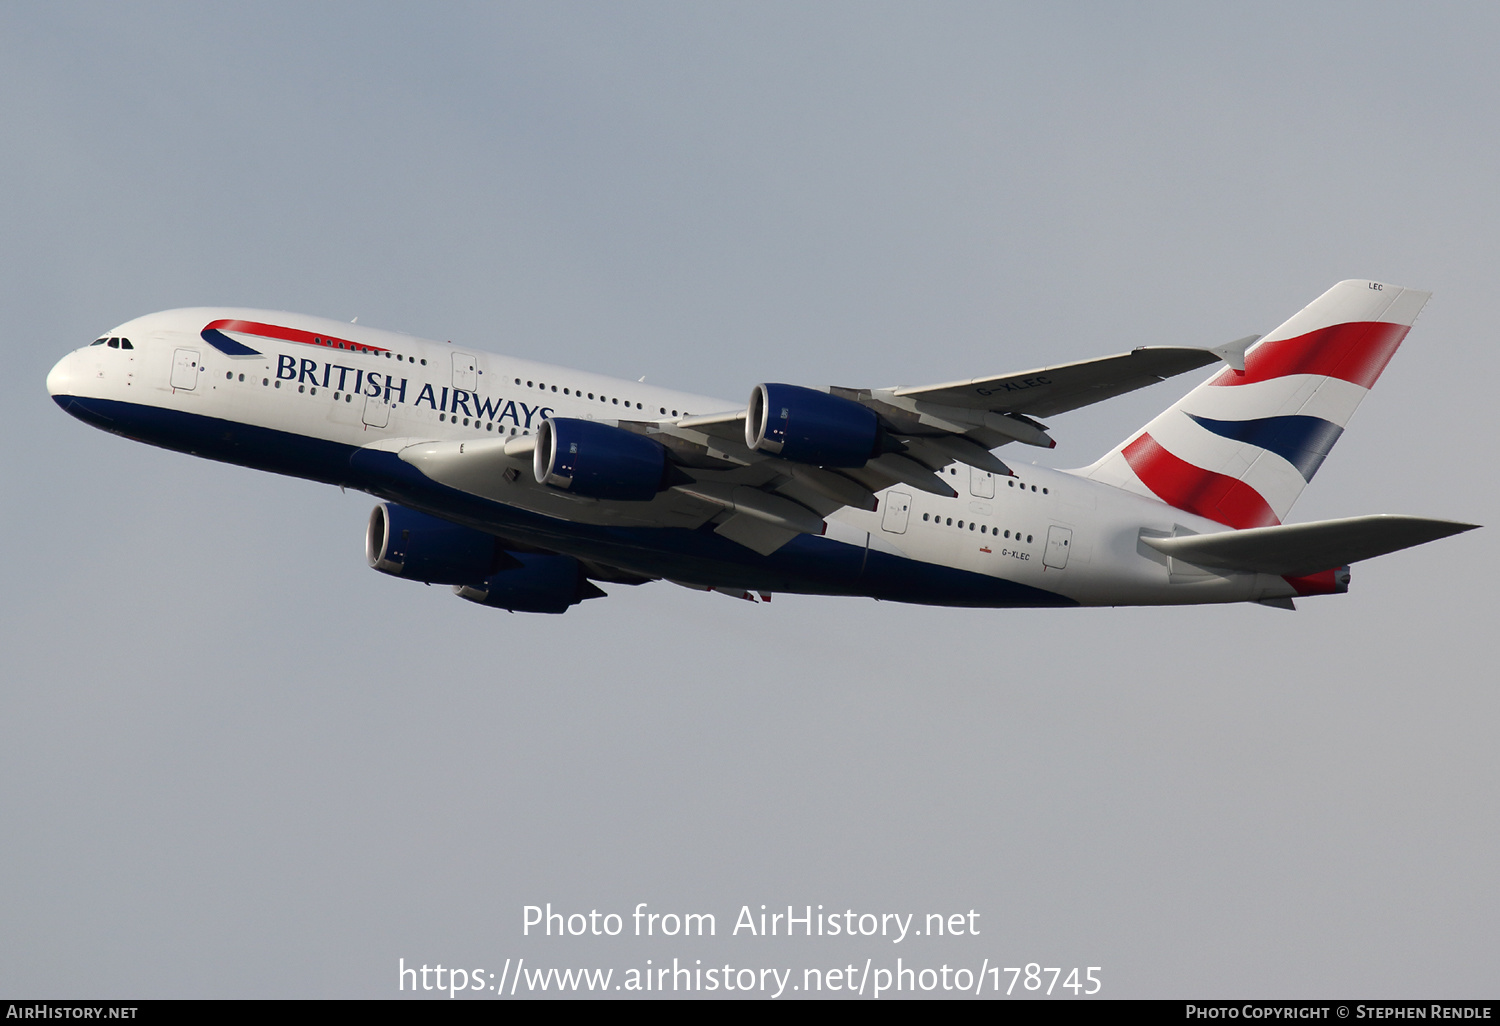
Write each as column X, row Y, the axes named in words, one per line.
column 1047, row 529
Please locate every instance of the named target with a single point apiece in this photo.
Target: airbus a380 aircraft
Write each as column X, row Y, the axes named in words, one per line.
column 521, row 483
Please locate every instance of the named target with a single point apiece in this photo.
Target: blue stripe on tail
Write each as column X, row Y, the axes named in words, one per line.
column 1304, row 442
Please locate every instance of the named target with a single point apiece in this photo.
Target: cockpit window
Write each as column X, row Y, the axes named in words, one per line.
column 98, row 341
column 114, row 343
column 125, row 344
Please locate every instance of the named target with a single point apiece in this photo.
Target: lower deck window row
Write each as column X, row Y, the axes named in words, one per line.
column 973, row 525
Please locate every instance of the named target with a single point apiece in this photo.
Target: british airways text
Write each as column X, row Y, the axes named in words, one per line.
column 392, row 389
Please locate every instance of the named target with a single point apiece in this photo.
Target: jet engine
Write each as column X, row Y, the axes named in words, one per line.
column 599, row 461
column 807, row 426
column 538, row 583
column 404, row 543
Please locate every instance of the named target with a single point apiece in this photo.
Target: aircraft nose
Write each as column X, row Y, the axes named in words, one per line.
column 62, row 378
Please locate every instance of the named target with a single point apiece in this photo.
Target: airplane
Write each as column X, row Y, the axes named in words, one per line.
column 525, row 486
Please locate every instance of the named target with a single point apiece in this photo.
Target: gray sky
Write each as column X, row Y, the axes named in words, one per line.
column 236, row 762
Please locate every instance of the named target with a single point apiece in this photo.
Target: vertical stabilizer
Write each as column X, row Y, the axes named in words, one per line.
column 1240, row 447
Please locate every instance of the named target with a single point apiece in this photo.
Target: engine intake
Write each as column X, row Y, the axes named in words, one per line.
column 404, row 543
column 599, row 461
column 807, row 426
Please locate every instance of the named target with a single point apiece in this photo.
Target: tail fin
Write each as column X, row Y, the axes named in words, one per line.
column 1240, row 447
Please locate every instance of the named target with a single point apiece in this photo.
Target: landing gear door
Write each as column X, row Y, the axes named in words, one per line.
column 465, row 373
column 897, row 509
column 185, row 369
column 1059, row 540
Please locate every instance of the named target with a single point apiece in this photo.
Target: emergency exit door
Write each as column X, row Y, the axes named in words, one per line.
column 185, row 368
column 897, row 509
column 465, row 373
column 377, row 412
column 1059, row 540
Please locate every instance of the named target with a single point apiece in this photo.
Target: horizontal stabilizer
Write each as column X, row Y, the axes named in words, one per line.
column 1296, row 550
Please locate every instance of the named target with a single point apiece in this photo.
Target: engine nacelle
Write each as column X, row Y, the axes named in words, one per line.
column 599, row 461
column 537, row 584
column 808, row 426
column 404, row 543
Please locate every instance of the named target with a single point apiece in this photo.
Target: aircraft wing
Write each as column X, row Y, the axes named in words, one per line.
column 1067, row 386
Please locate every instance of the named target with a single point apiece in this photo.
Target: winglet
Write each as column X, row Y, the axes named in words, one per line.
column 1233, row 353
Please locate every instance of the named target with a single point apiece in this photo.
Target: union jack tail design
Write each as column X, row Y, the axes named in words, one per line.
column 1240, row 447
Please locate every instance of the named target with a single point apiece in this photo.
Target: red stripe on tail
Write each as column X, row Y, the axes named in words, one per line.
column 1179, row 483
column 1356, row 352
